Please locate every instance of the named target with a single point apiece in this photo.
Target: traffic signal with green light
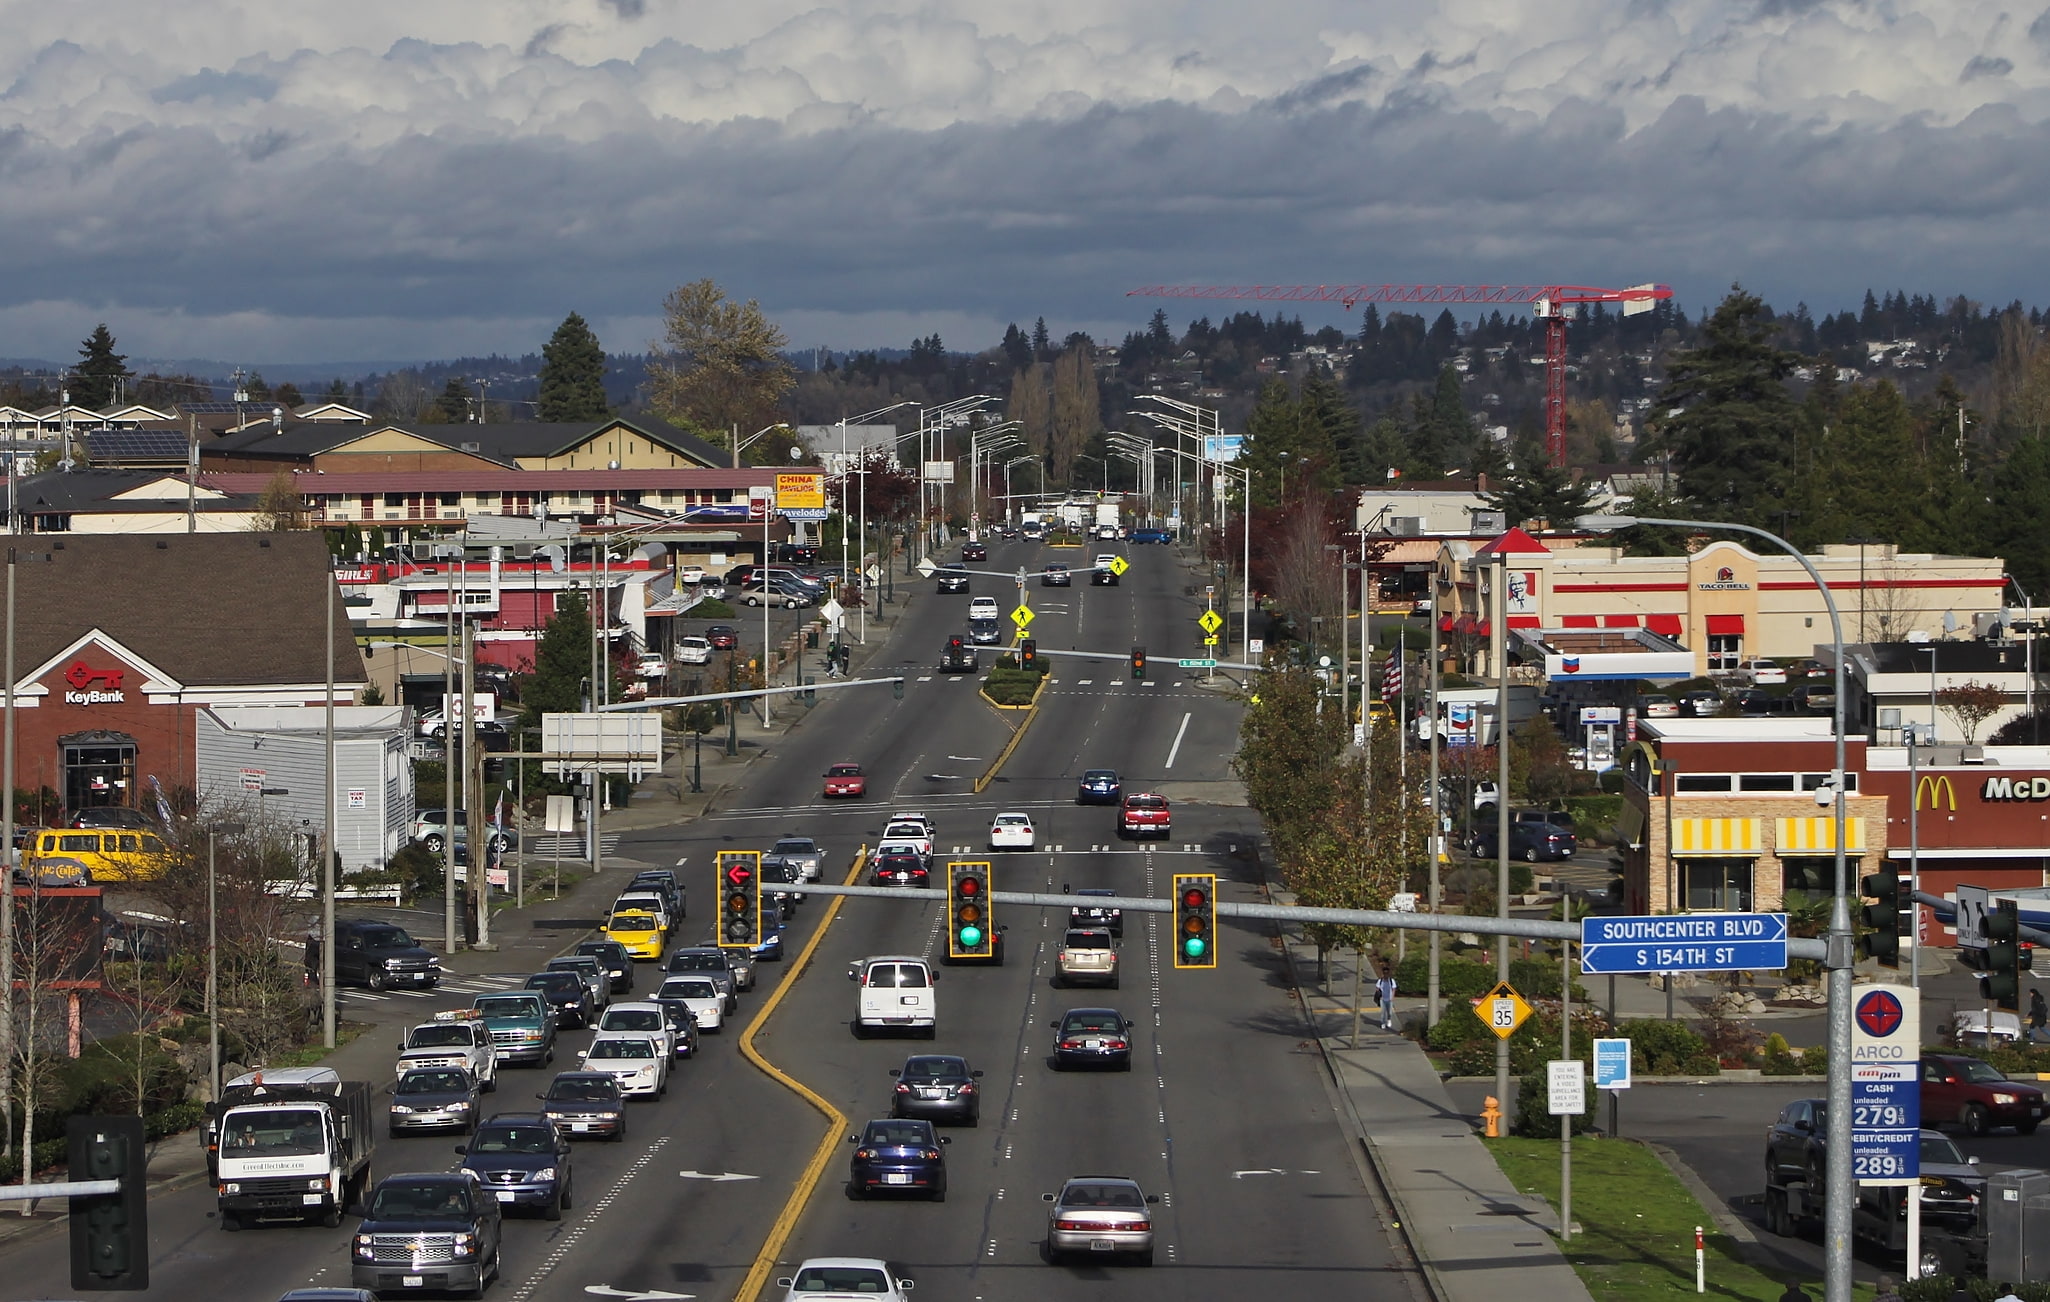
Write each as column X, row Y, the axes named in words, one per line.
column 1195, row 920
column 2002, row 981
column 1138, row 662
column 970, row 931
column 740, row 899
column 109, row 1232
column 1882, row 939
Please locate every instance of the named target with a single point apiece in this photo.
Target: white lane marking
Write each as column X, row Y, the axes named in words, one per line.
column 1176, row 749
column 569, row 1241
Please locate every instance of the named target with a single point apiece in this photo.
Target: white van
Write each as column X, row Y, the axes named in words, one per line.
column 896, row 991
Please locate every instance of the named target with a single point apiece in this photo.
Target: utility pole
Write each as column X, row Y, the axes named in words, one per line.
column 1499, row 651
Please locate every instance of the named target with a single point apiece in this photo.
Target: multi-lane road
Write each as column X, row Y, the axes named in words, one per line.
column 1226, row 1114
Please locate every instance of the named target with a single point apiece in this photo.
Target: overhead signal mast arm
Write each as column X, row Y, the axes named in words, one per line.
column 1548, row 300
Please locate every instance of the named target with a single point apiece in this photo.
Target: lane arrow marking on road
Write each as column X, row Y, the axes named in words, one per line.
column 716, row 1176
column 636, row 1294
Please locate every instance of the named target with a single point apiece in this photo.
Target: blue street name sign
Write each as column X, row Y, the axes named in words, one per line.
column 1685, row 942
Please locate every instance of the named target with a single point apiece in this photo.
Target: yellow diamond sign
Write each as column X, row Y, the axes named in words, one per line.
column 1022, row 616
column 1210, row 621
column 1502, row 1010
column 1118, row 566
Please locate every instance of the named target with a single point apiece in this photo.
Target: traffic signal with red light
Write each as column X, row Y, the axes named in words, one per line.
column 1138, row 662
column 970, row 931
column 109, row 1232
column 740, row 899
column 1195, row 920
column 1028, row 653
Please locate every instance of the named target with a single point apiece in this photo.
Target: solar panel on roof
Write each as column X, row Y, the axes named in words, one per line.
column 213, row 408
column 150, row 444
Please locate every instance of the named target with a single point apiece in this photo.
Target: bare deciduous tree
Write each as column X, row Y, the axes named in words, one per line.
column 1303, row 582
column 719, row 364
column 1031, row 407
column 1076, row 415
column 1969, row 705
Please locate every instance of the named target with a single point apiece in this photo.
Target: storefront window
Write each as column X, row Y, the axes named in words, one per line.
column 1716, row 885
column 1725, row 651
column 99, row 770
column 1808, row 878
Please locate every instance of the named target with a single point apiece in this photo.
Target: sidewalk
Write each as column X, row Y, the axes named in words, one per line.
column 1475, row 1237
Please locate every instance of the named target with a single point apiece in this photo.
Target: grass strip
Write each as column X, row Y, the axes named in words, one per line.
column 1637, row 1223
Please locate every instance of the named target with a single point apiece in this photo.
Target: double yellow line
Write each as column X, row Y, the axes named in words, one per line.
column 836, row 1121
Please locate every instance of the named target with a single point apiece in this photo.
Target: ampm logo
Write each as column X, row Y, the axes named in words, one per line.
column 1941, row 794
column 2014, row 789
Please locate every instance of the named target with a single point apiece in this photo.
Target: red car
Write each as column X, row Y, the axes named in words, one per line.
column 846, row 780
column 1144, row 814
column 723, row 637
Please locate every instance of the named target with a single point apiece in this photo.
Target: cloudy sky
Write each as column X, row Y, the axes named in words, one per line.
column 424, row 178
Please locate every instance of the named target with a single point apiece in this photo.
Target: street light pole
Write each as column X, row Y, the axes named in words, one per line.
column 1838, row 1187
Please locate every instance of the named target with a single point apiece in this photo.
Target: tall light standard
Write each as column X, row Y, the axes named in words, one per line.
column 847, row 465
column 213, row 966
column 1203, row 446
column 1838, row 1189
column 936, row 419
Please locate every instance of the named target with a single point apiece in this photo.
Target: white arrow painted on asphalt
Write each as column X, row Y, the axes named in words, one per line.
column 717, row 1176
column 1272, row 1170
column 636, row 1294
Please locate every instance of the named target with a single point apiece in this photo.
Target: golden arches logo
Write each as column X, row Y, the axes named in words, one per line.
column 1941, row 793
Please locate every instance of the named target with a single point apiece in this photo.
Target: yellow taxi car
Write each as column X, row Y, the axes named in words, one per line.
column 640, row 932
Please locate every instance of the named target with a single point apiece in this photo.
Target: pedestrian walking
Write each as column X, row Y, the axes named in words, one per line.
column 1384, row 994
column 1794, row 1293
column 1889, row 1291
column 2007, row 1293
column 2039, row 1014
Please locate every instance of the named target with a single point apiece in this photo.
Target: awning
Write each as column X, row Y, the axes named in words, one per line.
column 1580, row 621
column 1444, row 623
column 1525, row 621
column 1717, row 837
column 1665, row 625
column 1817, row 835
column 1726, row 626
column 1619, row 621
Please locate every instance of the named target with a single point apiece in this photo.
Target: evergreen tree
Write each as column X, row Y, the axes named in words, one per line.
column 572, row 374
column 562, row 662
column 453, row 406
column 1880, row 480
column 1041, row 342
column 1017, row 348
column 99, row 371
column 1730, row 440
column 1159, row 335
column 335, row 391
column 1442, row 435
column 2016, row 522
column 1536, row 490
column 1270, row 432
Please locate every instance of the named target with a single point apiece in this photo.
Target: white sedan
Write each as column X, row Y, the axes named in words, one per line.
column 1011, row 831
column 1762, row 672
column 693, row 651
column 638, row 1062
column 701, row 996
column 831, row 1279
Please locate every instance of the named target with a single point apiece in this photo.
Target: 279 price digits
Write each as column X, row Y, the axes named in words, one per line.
column 1879, row 1116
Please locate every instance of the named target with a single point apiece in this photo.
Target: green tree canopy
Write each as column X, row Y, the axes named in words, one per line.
column 99, row 370
column 719, row 365
column 573, row 374
column 1731, row 438
column 1538, row 490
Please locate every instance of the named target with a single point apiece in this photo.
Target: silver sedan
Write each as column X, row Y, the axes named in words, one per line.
column 1099, row 1217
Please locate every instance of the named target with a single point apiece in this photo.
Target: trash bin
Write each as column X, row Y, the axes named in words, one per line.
column 811, row 638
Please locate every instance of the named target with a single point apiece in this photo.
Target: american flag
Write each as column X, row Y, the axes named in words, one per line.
column 1391, row 679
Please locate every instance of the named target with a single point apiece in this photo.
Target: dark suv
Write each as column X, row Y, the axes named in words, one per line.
column 1975, row 1095
column 434, row 1230
column 523, row 1154
column 1530, row 842
column 376, row 954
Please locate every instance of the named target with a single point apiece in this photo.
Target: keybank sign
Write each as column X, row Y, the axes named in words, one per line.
column 2016, row 789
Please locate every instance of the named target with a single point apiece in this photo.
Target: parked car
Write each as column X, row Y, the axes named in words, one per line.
column 651, row 665
column 775, row 592
column 1809, row 698
column 1531, row 842
column 1703, row 704
column 1658, row 707
column 693, row 650
column 723, row 637
column 1811, row 669
column 692, row 574
column 1761, row 672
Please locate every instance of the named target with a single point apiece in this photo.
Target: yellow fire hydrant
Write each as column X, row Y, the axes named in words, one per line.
column 1491, row 1117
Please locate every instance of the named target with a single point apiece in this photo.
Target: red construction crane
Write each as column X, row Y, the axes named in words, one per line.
column 1548, row 304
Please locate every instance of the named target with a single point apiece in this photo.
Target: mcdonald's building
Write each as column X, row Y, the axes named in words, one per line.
column 1736, row 815
column 1721, row 815
column 1966, row 815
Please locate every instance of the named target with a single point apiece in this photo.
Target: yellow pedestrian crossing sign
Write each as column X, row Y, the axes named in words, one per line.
column 1118, row 566
column 1022, row 617
column 1210, row 621
column 1502, row 1010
